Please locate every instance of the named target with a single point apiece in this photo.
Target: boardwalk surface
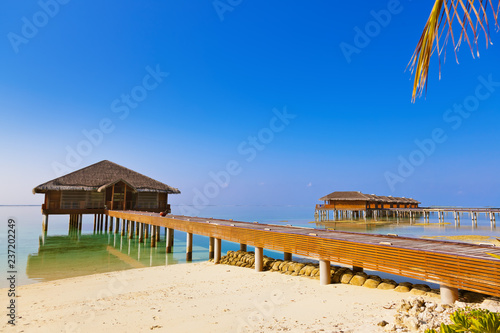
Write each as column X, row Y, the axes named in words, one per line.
column 459, row 265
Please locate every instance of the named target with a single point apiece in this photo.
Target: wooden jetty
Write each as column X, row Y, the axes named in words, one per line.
column 442, row 212
column 341, row 205
column 452, row 265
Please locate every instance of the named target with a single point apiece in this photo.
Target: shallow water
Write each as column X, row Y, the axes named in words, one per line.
column 62, row 254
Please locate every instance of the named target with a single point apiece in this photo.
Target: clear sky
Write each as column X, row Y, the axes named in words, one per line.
column 244, row 102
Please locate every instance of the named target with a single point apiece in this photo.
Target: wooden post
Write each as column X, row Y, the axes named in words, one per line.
column 125, row 196
column 141, row 230
column 324, row 272
column 217, row 252
column 81, row 223
column 110, row 224
column 287, row 256
column 45, row 223
column 146, row 231
column 170, row 239
column 448, row 295
column 153, row 236
column 95, row 223
column 130, row 229
column 158, row 237
column 210, row 248
column 259, row 259
column 112, row 196
column 123, row 228
column 243, row 247
column 117, row 225
column 189, row 246
column 106, row 224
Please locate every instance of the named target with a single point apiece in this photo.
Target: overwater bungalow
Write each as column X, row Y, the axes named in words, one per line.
column 100, row 186
column 357, row 204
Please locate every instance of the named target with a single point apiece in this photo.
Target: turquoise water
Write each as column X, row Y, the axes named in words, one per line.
column 62, row 254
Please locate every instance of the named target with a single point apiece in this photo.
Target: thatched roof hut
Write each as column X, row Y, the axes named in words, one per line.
column 101, row 175
column 104, row 185
column 358, row 200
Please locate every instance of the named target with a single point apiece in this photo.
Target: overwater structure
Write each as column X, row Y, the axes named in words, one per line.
column 101, row 186
column 345, row 204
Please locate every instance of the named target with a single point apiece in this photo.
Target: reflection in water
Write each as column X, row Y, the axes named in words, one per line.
column 76, row 255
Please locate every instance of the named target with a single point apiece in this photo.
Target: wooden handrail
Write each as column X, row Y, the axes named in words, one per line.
column 453, row 264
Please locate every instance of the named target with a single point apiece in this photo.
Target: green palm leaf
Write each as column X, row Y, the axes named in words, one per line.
column 493, row 255
column 470, row 17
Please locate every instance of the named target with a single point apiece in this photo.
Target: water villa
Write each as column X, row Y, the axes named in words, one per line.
column 99, row 187
column 354, row 204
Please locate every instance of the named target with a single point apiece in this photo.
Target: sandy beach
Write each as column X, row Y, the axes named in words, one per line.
column 200, row 297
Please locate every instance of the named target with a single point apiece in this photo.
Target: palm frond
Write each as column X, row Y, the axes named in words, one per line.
column 493, row 255
column 472, row 20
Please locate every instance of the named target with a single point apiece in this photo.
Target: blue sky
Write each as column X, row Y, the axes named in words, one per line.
column 183, row 91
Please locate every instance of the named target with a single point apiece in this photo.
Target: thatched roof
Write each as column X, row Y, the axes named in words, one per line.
column 98, row 176
column 358, row 196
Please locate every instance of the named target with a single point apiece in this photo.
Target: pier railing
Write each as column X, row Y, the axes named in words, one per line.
column 451, row 264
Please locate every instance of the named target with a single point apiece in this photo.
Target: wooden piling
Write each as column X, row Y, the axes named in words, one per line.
column 170, row 240
column 45, row 223
column 217, row 250
column 324, row 272
column 141, row 231
column 259, row 259
column 153, row 236
column 210, row 248
column 189, row 246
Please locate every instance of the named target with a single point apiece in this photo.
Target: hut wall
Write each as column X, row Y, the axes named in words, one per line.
column 147, row 200
column 347, row 205
column 53, row 199
column 162, row 200
column 81, row 200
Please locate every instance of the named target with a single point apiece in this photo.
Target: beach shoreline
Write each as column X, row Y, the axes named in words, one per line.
column 202, row 297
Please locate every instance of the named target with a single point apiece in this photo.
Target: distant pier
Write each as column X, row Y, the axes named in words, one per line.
column 324, row 214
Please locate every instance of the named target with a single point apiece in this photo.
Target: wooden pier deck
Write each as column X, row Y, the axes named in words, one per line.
column 453, row 265
column 324, row 213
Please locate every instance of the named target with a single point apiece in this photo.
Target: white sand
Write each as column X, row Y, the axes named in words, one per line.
column 200, row 297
